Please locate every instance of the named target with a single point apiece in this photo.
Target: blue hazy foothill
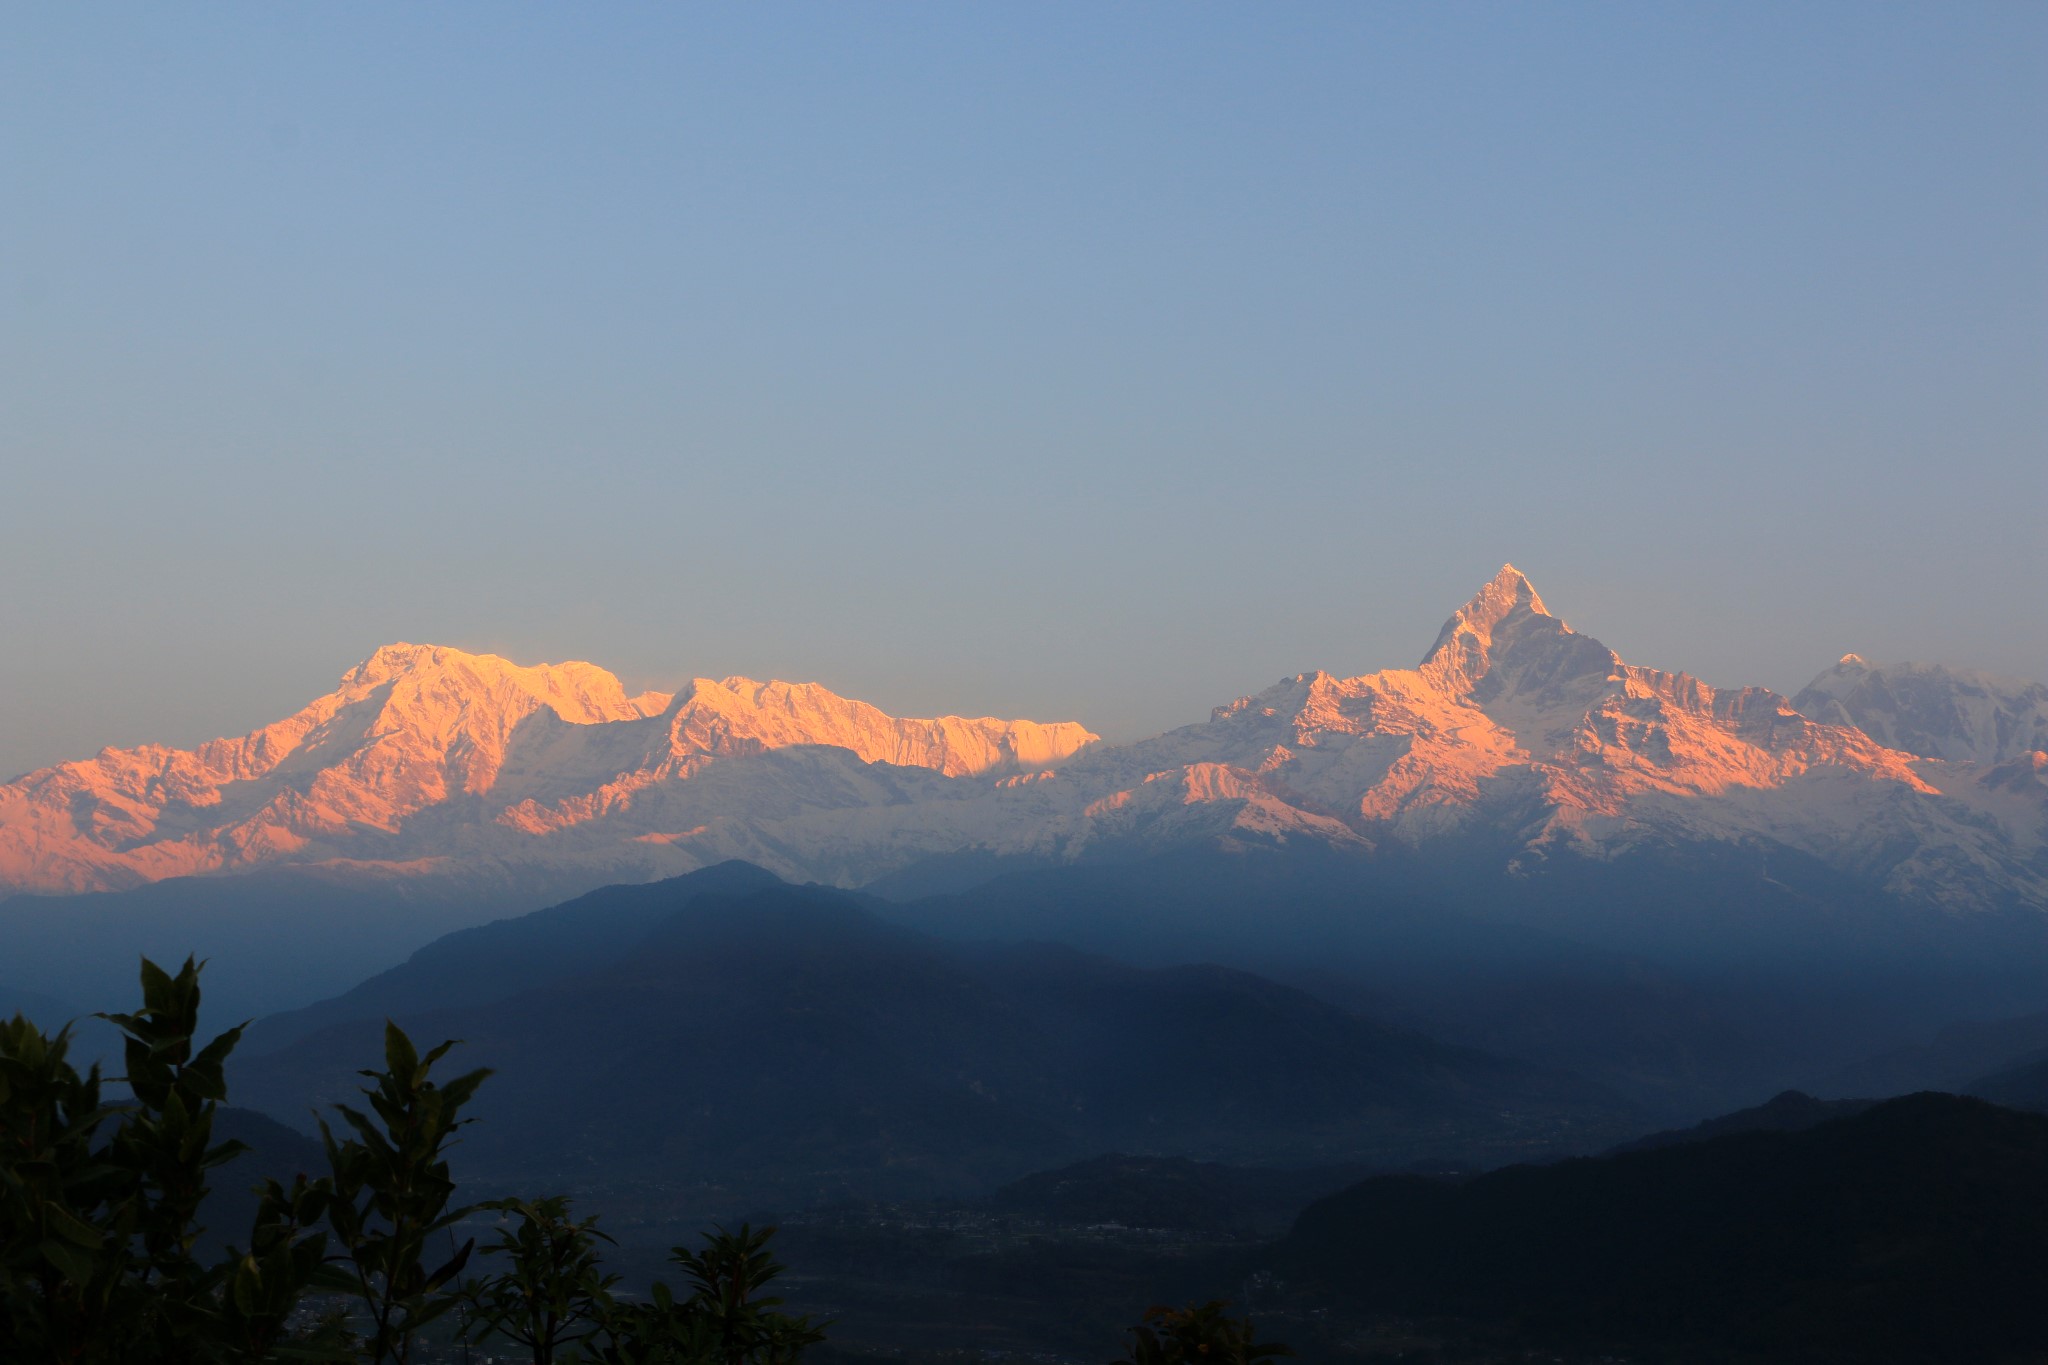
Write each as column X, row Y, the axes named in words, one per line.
column 789, row 1043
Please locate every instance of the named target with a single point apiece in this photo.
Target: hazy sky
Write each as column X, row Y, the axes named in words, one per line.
column 1103, row 361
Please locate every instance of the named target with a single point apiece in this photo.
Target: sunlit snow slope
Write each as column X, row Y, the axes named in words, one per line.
column 1514, row 730
column 426, row 758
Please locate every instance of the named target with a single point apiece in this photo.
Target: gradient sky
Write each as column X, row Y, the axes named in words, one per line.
column 1095, row 362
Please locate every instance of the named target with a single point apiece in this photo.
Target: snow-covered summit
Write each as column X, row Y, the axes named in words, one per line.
column 1514, row 718
column 1932, row 710
column 421, row 748
column 1514, row 730
column 1506, row 612
column 430, row 675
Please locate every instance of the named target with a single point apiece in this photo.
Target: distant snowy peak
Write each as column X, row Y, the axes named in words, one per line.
column 1515, row 731
column 1505, row 643
column 740, row 715
column 423, row 676
column 1516, row 723
column 1932, row 710
column 420, row 742
column 1505, row 612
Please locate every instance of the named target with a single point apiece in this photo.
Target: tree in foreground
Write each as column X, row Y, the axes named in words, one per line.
column 99, row 1232
column 62, row 1205
column 554, row 1293
column 1199, row 1334
column 99, row 1226
column 391, row 1194
column 726, row 1320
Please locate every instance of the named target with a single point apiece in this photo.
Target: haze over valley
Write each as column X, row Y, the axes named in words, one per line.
column 1694, row 895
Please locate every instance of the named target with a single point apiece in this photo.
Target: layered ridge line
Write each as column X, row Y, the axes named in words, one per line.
column 1515, row 728
column 1515, row 731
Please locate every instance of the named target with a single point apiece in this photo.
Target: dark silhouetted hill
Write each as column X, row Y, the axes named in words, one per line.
column 785, row 1042
column 1692, row 978
column 275, row 1152
column 476, row 966
column 2024, row 1086
column 1911, row 1231
column 1790, row 1112
column 1953, row 1060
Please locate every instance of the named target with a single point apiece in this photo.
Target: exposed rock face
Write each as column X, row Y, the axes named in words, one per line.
column 1513, row 725
column 1931, row 710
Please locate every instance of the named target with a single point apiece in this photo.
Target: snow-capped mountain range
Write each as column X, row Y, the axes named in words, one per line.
column 1927, row 709
column 432, row 762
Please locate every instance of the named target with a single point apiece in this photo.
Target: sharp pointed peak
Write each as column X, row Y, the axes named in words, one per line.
column 1506, row 590
column 1507, row 607
column 1506, row 594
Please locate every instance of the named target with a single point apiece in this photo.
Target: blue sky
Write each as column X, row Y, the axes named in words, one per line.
column 1103, row 362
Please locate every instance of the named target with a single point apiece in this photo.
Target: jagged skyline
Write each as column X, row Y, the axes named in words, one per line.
column 438, row 766
column 1020, row 360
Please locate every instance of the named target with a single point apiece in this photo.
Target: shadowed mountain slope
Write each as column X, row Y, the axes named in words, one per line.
column 1694, row 979
column 1953, row 1060
column 2024, row 1085
column 1932, row 710
column 273, row 1152
column 786, row 1043
column 1790, row 1112
column 1910, row 1232
column 490, row 962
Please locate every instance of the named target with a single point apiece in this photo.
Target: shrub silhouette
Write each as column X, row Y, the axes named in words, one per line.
column 1199, row 1334
column 100, row 1205
column 389, row 1193
column 555, row 1292
column 98, row 1233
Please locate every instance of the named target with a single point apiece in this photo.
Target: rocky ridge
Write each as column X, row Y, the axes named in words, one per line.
column 425, row 757
column 1515, row 722
column 1932, row 710
column 1513, row 725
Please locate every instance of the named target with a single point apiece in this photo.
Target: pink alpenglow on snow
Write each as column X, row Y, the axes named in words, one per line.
column 433, row 761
